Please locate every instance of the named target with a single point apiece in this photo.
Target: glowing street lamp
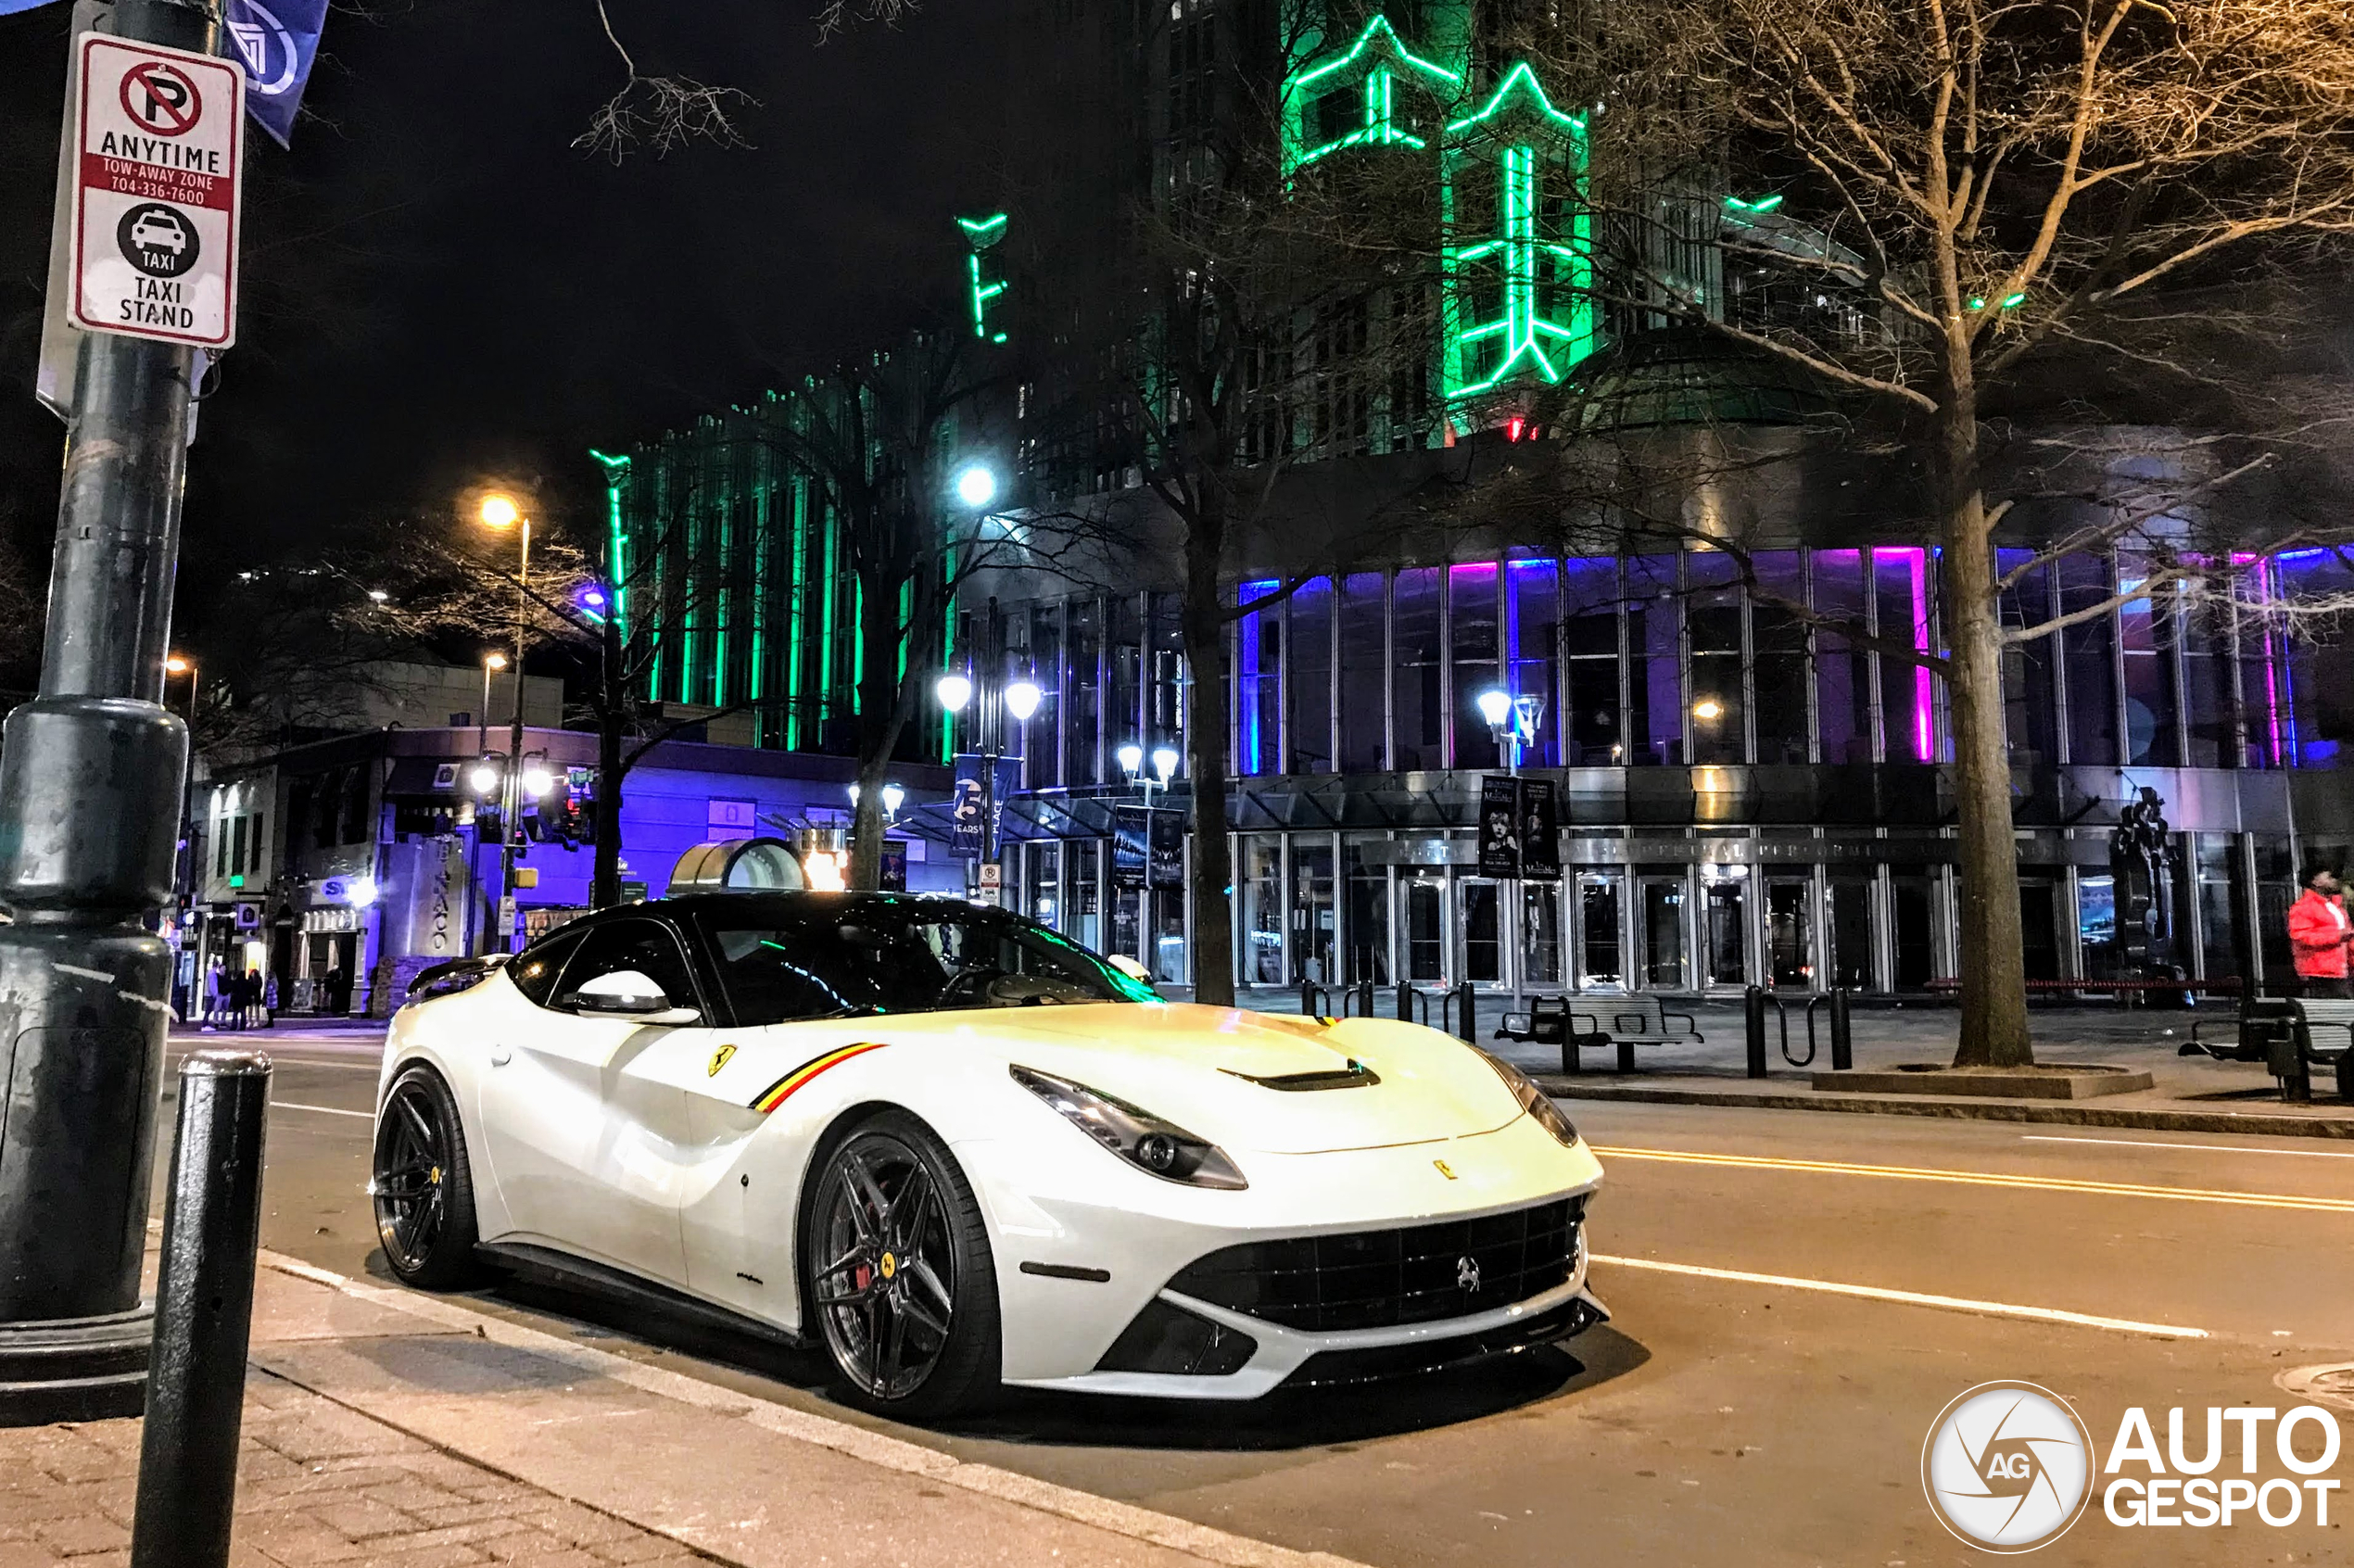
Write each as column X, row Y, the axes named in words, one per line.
column 954, row 689
column 1495, row 706
column 976, row 485
column 1022, row 699
column 485, row 776
column 1165, row 762
column 1708, row 710
column 1132, row 757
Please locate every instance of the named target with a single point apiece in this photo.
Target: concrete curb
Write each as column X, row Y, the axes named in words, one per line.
column 873, row 1447
column 2059, row 1113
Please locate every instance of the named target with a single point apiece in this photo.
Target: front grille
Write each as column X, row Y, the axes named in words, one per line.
column 1329, row 1368
column 1380, row 1279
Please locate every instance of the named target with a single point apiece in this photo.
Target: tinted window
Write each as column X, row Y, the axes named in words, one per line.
column 646, row 946
column 535, row 970
column 844, row 960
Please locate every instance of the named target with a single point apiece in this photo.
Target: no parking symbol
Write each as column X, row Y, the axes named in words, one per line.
column 156, row 191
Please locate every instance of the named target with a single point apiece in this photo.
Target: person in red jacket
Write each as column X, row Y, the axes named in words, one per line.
column 2318, row 934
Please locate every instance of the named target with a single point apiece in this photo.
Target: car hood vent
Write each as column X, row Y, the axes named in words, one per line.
column 1356, row 1075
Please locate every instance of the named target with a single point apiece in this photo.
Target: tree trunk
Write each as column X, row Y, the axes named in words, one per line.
column 606, row 890
column 878, row 732
column 1994, row 962
column 1202, row 621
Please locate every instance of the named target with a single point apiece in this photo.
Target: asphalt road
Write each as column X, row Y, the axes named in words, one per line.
column 1759, row 1420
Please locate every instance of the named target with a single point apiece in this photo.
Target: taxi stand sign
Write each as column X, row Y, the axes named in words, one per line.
column 158, row 138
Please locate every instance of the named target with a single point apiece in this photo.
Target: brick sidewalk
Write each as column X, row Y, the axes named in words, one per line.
column 317, row 1483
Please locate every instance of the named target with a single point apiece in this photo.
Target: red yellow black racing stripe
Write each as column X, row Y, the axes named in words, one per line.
column 777, row 1093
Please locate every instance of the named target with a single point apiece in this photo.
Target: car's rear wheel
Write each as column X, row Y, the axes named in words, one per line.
column 424, row 1183
column 897, row 1273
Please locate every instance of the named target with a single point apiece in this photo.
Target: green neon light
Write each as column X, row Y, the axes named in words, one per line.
column 1763, row 204
column 1379, row 127
column 616, row 537
column 796, row 612
column 981, row 233
column 2011, row 301
column 1525, row 341
column 1377, row 30
column 1521, row 81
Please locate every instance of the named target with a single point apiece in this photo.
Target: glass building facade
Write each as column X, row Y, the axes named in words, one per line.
column 1749, row 797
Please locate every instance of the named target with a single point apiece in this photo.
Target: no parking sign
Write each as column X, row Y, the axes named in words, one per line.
column 155, row 193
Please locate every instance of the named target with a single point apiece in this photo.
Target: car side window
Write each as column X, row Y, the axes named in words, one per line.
column 647, row 947
column 535, row 970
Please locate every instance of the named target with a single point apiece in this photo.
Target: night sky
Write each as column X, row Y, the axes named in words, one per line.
column 440, row 288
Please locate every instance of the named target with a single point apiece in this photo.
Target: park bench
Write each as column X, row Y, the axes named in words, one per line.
column 1575, row 1023
column 2281, row 1032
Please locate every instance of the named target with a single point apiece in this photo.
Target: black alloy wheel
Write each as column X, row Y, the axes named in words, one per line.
column 424, row 1184
column 899, row 1273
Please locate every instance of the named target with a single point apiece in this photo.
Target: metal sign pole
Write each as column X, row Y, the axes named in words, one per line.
column 89, row 822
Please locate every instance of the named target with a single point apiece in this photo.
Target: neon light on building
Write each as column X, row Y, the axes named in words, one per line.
column 1536, row 262
column 983, row 285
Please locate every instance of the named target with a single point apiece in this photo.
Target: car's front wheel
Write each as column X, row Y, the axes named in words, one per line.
column 897, row 1272
column 423, row 1184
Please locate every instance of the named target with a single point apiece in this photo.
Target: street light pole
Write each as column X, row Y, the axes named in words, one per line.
column 499, row 511
column 90, row 791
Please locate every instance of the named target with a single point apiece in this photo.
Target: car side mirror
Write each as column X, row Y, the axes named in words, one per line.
column 1129, row 968
column 626, row 992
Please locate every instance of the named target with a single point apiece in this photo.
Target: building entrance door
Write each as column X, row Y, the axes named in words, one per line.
column 1601, row 931
column 1541, row 936
column 1725, row 911
column 1422, row 922
column 1479, row 916
column 1665, row 932
column 1790, row 933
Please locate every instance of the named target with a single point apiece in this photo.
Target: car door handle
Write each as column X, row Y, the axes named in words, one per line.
column 502, row 1054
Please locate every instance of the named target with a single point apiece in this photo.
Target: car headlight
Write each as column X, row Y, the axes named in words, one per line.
column 1154, row 1146
column 1533, row 1099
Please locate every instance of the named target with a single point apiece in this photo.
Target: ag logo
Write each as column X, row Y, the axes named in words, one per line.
column 2008, row 1467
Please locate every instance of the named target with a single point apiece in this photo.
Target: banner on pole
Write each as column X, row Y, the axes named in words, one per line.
column 1499, row 826
column 1540, row 831
column 278, row 40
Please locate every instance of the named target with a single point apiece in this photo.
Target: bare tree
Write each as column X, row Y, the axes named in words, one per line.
column 1266, row 316
column 873, row 438
column 1968, row 187
column 619, row 622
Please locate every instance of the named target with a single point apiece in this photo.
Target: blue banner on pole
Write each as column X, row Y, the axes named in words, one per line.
column 277, row 40
column 968, row 809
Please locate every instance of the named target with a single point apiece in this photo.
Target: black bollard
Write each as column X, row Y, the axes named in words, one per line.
column 1843, row 1036
column 204, row 1315
column 1365, row 999
column 1754, row 1024
column 1471, row 1014
column 1405, row 1001
column 1308, row 997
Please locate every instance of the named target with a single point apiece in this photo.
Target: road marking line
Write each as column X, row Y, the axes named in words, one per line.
column 323, row 1110
column 2207, row 1148
column 1991, row 1179
column 1913, row 1298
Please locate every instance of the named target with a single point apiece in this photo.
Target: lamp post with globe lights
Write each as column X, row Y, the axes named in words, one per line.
column 1131, row 756
column 1512, row 720
column 998, row 700
column 499, row 511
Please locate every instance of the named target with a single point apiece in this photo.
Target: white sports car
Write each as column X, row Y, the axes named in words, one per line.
column 958, row 1150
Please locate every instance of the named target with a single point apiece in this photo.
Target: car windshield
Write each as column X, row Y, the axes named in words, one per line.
column 854, row 959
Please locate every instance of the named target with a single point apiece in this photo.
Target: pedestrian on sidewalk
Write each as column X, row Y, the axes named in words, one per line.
column 2318, row 934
